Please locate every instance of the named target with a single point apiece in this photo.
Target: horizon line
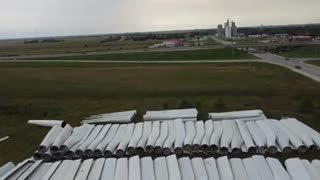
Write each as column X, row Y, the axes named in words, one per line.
column 144, row 32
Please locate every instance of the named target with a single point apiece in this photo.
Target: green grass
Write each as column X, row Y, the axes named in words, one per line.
column 211, row 54
column 307, row 51
column 314, row 62
column 72, row 91
column 76, row 45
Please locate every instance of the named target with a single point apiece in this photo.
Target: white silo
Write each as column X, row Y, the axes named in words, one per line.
column 227, row 29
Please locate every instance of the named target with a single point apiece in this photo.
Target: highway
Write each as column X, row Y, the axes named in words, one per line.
column 296, row 65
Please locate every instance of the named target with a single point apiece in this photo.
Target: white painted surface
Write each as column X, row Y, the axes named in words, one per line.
column 199, row 169
column 224, row 168
column 108, row 138
column 6, row 168
column 121, row 171
column 173, row 168
column 212, row 170
column 238, row 169
column 186, row 170
column 200, row 131
column 134, row 168
column 278, row 171
column 84, row 170
column 208, row 132
column 147, row 169
column 147, row 126
column 47, row 123
column 137, row 133
column 96, row 169
column 72, row 172
column 296, row 169
column 164, row 130
column 109, row 169
column 161, row 169
column 154, row 133
column 190, row 132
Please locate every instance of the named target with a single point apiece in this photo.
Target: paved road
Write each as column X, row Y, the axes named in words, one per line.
column 296, row 65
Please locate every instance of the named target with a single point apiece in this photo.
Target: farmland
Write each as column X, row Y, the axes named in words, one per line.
column 308, row 51
column 314, row 62
column 75, row 45
column 72, row 91
column 205, row 54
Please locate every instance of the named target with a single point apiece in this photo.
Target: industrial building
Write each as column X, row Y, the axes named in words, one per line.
column 220, row 31
column 168, row 44
column 228, row 31
column 300, row 38
column 234, row 29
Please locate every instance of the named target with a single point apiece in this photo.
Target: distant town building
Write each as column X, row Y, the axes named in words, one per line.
column 281, row 36
column 241, row 35
column 168, row 43
column 220, row 31
column 259, row 36
column 227, row 29
column 173, row 43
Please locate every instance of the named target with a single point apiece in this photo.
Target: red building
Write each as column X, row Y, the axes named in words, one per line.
column 300, row 38
column 173, row 43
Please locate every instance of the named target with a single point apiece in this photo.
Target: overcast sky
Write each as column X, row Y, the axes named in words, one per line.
column 25, row 18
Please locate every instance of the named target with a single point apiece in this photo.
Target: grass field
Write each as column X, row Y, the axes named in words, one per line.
column 78, row 45
column 308, row 51
column 314, row 62
column 73, row 91
column 211, row 54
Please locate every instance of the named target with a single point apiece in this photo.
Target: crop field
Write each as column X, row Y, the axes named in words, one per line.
column 210, row 54
column 72, row 91
column 76, row 45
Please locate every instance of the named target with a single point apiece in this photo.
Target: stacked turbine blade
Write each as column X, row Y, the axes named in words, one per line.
column 184, row 114
column 248, row 115
column 177, row 136
column 4, row 138
column 174, row 146
column 48, row 123
column 170, row 167
column 116, row 117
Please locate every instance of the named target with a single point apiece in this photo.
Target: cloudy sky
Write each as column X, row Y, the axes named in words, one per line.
column 25, row 18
